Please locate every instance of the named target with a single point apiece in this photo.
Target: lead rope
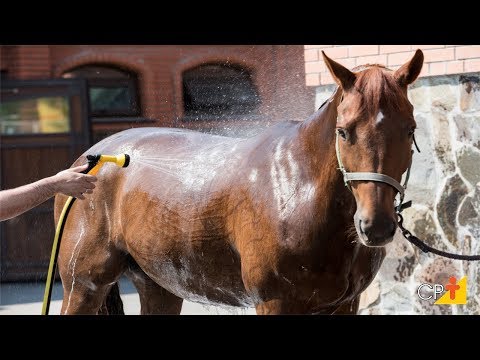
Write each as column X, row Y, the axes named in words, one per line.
column 427, row 248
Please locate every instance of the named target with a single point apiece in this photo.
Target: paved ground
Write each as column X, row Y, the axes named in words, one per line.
column 26, row 299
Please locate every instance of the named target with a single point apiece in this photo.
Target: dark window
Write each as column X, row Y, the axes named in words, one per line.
column 215, row 90
column 112, row 92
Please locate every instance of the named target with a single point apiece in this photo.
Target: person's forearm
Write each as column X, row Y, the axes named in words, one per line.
column 16, row 201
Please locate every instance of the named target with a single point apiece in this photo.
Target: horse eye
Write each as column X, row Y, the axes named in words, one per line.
column 411, row 132
column 342, row 133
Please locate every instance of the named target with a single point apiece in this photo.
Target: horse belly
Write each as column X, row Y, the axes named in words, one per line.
column 204, row 270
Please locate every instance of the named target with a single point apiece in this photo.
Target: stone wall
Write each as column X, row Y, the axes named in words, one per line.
column 445, row 189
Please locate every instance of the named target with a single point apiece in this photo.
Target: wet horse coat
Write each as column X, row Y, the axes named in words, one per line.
column 264, row 221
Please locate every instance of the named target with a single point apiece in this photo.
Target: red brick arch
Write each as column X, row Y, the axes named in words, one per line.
column 144, row 73
column 191, row 62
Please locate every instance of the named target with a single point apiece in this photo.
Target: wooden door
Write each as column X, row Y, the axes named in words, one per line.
column 43, row 129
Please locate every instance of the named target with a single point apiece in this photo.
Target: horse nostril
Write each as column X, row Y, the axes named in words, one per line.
column 378, row 228
column 365, row 226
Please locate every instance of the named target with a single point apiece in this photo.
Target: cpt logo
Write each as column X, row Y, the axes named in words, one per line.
column 456, row 292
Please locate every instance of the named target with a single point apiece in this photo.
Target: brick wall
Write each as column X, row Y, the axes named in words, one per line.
column 439, row 59
column 26, row 62
column 277, row 71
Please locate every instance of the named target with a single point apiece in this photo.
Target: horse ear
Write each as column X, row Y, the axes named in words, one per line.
column 342, row 76
column 409, row 72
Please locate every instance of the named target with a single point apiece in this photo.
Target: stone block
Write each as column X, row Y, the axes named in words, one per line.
column 470, row 93
column 424, row 176
column 420, row 221
column 467, row 129
column 442, row 139
column 451, row 196
column 468, row 161
column 397, row 300
column 469, row 221
column 434, row 91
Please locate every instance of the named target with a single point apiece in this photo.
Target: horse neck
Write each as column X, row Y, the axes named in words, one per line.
column 317, row 136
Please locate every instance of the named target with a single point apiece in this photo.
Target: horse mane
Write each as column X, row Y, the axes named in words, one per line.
column 363, row 67
column 379, row 88
column 376, row 83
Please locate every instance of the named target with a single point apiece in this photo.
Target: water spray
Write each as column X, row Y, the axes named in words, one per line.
column 95, row 162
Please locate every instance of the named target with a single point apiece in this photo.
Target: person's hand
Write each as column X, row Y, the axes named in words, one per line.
column 73, row 183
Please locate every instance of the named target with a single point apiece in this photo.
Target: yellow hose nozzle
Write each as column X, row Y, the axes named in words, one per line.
column 95, row 162
column 121, row 160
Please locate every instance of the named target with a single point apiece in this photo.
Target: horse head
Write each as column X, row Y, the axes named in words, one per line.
column 375, row 128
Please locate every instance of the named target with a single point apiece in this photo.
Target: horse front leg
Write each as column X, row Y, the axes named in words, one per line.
column 290, row 306
column 280, row 307
column 348, row 308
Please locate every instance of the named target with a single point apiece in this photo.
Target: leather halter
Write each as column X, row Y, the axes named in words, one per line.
column 370, row 176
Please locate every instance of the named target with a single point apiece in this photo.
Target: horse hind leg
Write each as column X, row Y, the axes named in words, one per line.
column 112, row 304
column 154, row 299
column 89, row 267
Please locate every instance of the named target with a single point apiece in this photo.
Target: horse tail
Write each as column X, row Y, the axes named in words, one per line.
column 113, row 304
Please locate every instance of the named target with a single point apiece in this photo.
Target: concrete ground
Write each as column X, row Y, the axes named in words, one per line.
column 26, row 299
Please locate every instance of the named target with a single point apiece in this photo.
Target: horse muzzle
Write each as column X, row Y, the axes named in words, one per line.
column 375, row 231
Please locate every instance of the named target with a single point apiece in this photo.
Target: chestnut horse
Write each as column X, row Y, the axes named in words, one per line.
column 262, row 222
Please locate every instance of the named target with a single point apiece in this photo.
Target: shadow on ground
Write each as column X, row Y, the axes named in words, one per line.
column 21, row 293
